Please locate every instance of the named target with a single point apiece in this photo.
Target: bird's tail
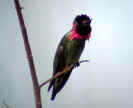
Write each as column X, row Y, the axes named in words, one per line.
column 53, row 96
column 51, row 83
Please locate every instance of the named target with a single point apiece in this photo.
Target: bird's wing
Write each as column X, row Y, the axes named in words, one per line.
column 59, row 59
column 60, row 56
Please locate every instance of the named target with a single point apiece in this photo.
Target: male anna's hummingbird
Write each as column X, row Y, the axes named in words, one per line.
column 69, row 51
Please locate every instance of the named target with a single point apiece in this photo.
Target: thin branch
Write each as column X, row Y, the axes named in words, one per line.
column 29, row 55
column 60, row 73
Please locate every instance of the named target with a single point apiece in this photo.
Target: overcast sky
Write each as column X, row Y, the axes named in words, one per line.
column 105, row 82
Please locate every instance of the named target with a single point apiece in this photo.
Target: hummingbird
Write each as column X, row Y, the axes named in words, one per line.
column 69, row 51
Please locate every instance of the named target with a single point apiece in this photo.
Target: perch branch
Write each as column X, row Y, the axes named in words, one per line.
column 60, row 73
column 29, row 55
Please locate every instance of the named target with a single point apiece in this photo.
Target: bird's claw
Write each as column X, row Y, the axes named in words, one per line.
column 77, row 64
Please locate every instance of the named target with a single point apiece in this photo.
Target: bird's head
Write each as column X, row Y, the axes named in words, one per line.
column 82, row 25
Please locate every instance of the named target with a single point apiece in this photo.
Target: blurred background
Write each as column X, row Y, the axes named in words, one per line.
column 105, row 82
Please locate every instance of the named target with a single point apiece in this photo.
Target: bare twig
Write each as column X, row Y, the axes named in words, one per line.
column 60, row 73
column 29, row 55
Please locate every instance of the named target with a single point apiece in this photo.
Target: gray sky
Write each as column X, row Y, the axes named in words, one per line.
column 105, row 82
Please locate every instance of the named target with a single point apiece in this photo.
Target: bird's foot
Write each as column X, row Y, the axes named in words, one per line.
column 77, row 64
